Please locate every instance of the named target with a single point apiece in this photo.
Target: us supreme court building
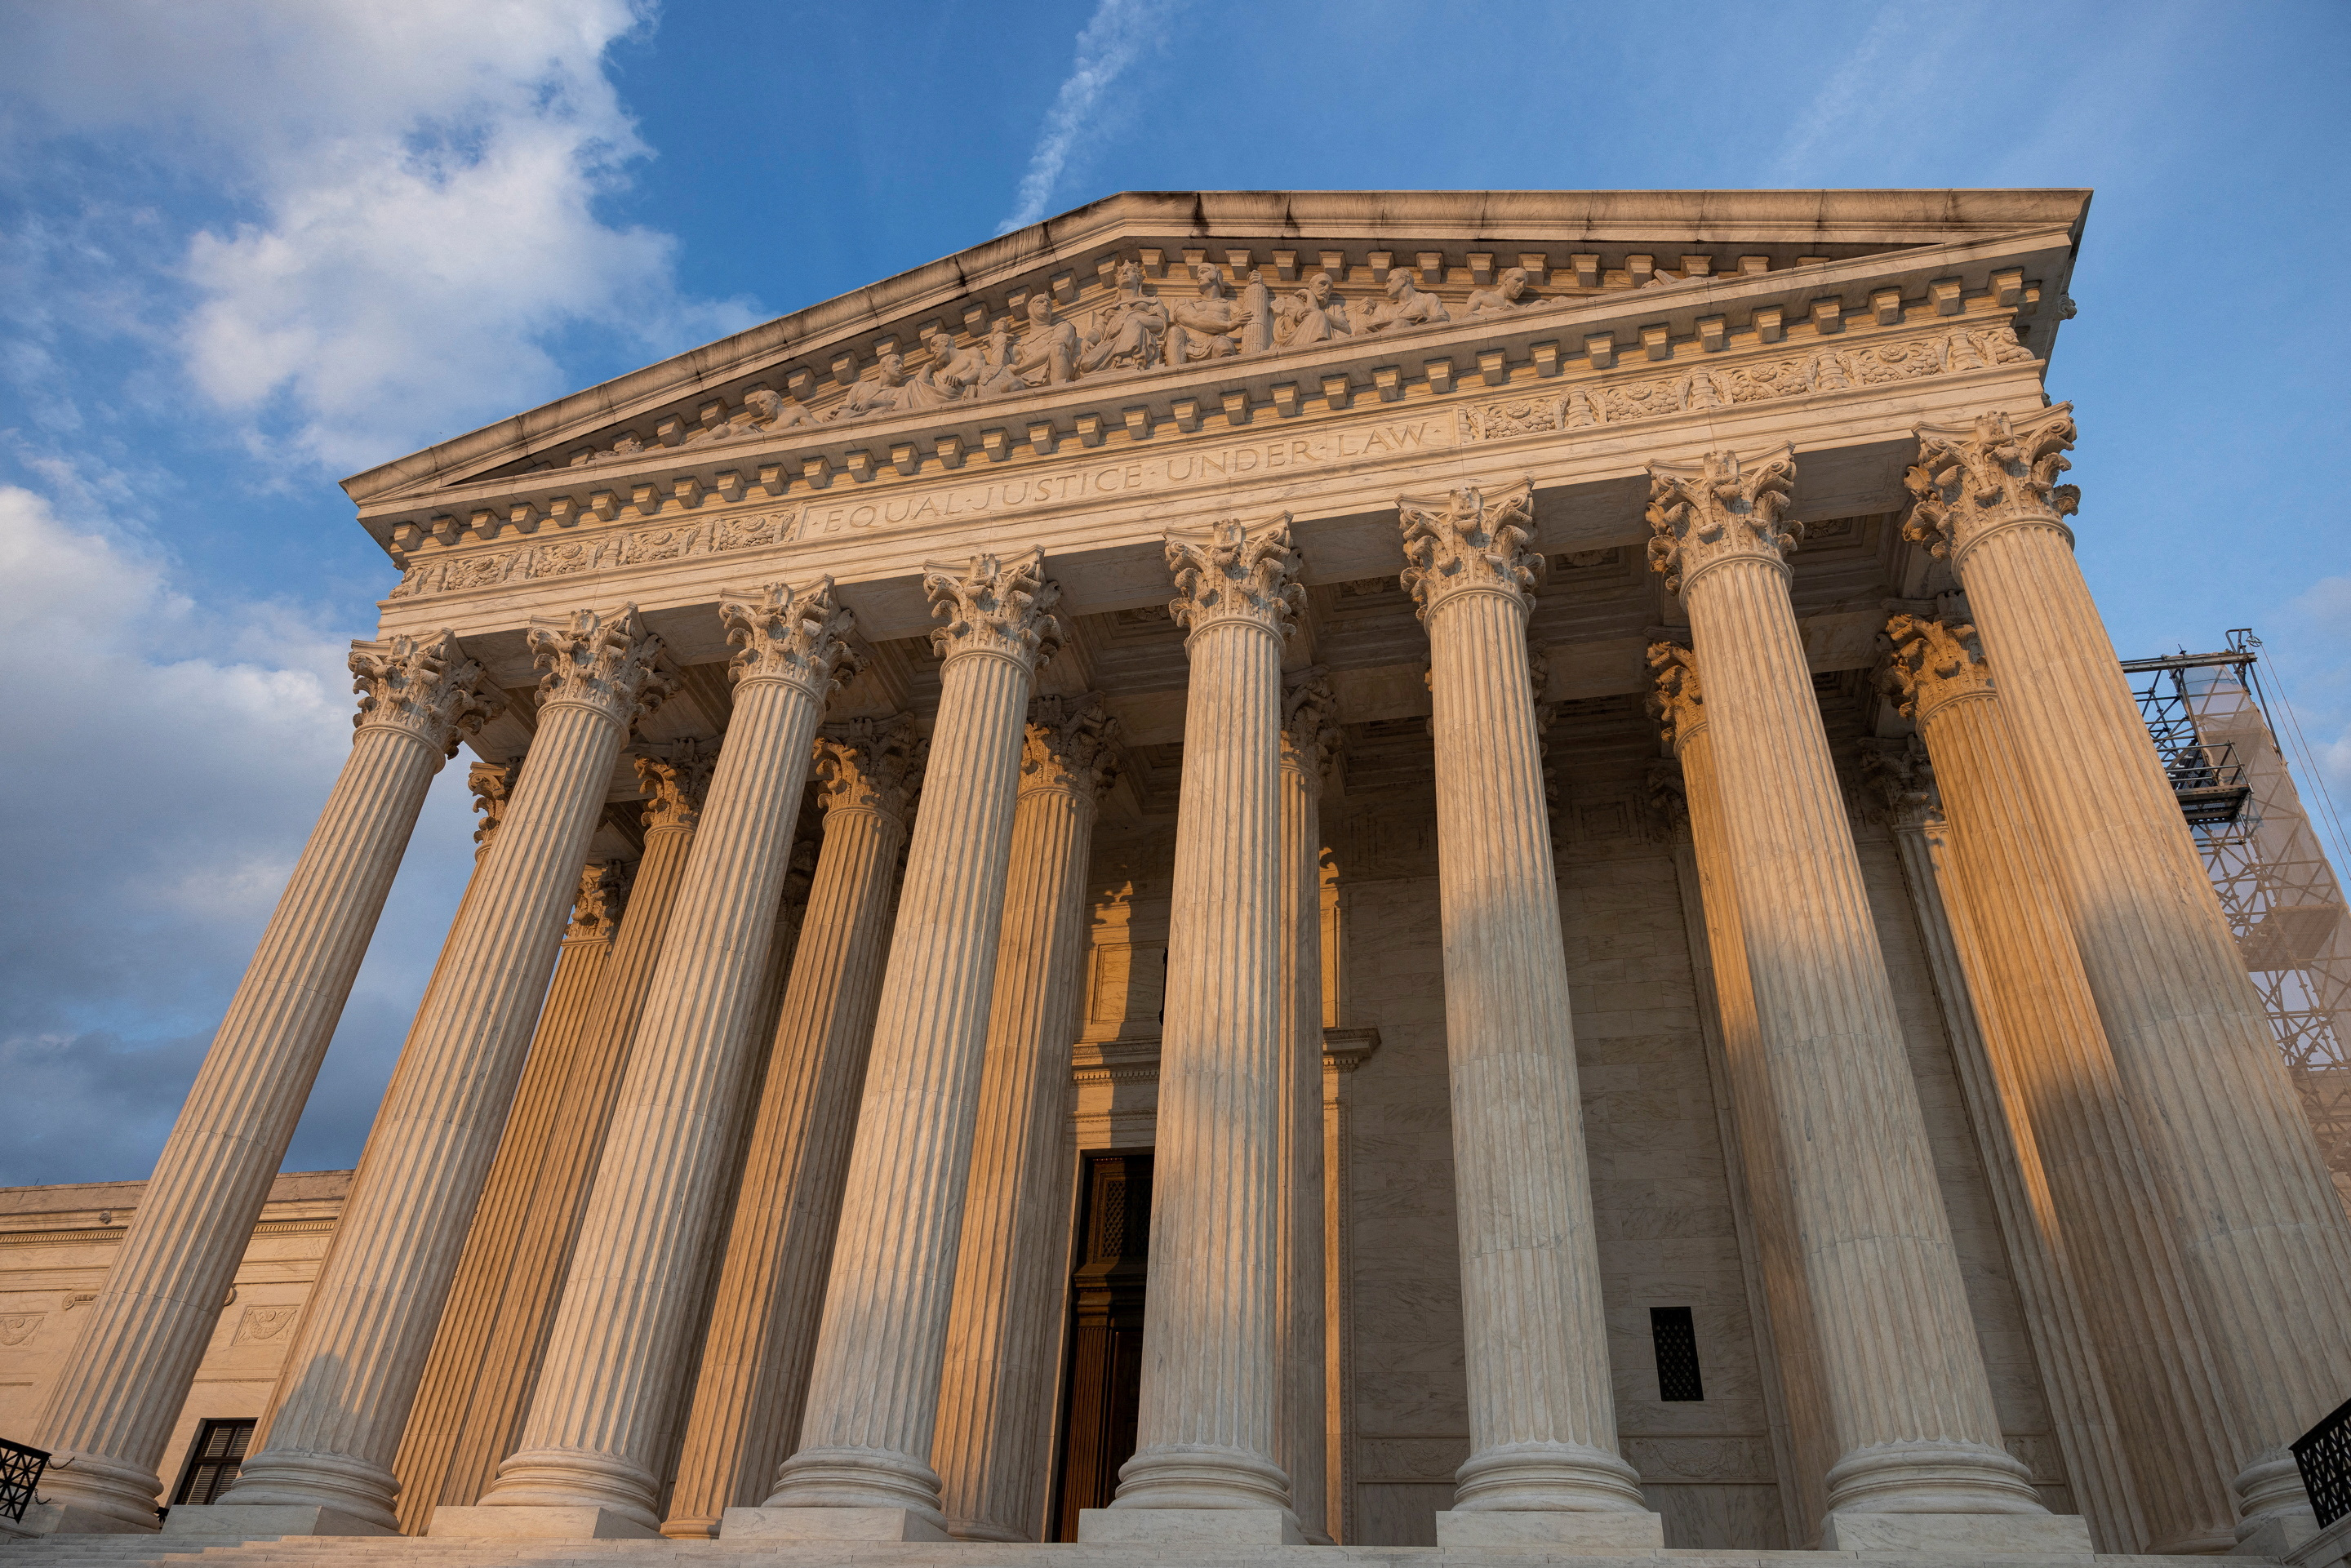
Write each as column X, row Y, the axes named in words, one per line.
column 1251, row 869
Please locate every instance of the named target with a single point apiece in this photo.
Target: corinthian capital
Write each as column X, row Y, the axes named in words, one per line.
column 604, row 663
column 797, row 635
column 1974, row 478
column 492, row 785
column 871, row 764
column 1470, row 542
column 1231, row 571
column 422, row 686
column 603, row 894
column 1904, row 779
column 676, row 776
column 1676, row 699
column 995, row 605
column 1309, row 722
column 1070, row 745
column 1929, row 662
column 1718, row 509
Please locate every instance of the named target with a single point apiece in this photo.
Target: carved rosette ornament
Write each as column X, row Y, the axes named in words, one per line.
column 1309, row 722
column 599, row 662
column 1070, row 745
column 1677, row 701
column 493, row 784
column 603, row 895
column 1469, row 542
column 422, row 686
column 1996, row 472
column 1904, row 779
column 1929, row 662
column 795, row 635
column 1718, row 509
column 997, row 605
column 870, row 765
column 1232, row 572
column 676, row 776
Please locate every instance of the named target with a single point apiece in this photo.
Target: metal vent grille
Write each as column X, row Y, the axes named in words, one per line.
column 1676, row 1338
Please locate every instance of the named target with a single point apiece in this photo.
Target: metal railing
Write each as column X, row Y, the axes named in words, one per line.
column 2207, row 775
column 20, row 1472
column 2323, row 1455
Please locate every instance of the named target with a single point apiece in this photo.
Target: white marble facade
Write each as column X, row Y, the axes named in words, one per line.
column 1533, row 585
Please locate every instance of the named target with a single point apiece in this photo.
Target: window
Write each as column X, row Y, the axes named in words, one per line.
column 1676, row 1338
column 214, row 1461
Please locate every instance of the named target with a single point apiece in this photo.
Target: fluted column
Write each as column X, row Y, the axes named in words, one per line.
column 624, row 1326
column 1678, row 701
column 995, row 1419
column 2264, row 1242
column 872, row 1405
column 1543, row 1465
column 485, row 1361
column 2049, row 1055
column 344, row 1393
column 1309, row 739
column 1904, row 1378
column 748, row 1396
column 110, row 1410
column 1206, row 1432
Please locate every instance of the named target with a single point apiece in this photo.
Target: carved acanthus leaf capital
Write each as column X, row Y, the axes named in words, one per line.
column 1071, row 744
column 1309, row 722
column 676, row 776
column 601, row 662
column 1904, row 779
column 797, row 635
column 871, row 764
column 1231, row 571
column 1676, row 700
column 602, row 897
column 422, row 686
column 1469, row 541
column 1719, row 509
column 996, row 605
column 1972, row 479
column 1929, row 662
column 493, row 784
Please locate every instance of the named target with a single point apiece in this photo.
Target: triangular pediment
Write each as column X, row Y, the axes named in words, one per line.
column 1160, row 307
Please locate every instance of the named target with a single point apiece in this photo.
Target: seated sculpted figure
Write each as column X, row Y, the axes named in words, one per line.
column 1313, row 315
column 1049, row 349
column 1127, row 330
column 878, row 390
column 997, row 358
column 1509, row 293
column 772, row 411
column 1407, row 307
column 948, row 378
column 1208, row 328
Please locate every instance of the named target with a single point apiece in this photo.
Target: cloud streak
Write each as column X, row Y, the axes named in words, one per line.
column 1112, row 40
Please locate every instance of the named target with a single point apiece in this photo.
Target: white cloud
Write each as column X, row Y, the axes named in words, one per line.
column 169, row 758
column 1113, row 39
column 422, row 180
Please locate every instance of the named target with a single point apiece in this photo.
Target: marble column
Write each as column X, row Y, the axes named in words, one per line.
column 2048, row 1054
column 1922, row 1463
column 110, row 1410
column 1203, row 1468
column 873, row 1404
column 2263, row 1239
column 1543, row 1466
column 995, row 1417
column 352, row 1373
column 589, row 1447
column 748, row 1396
column 485, row 1361
column 1310, row 740
column 1678, row 701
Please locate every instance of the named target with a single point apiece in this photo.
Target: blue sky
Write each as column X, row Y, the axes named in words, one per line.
column 247, row 247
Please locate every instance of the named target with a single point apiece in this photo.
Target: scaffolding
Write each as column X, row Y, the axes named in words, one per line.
column 2211, row 722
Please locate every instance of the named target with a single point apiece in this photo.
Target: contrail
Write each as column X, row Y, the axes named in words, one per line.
column 1109, row 43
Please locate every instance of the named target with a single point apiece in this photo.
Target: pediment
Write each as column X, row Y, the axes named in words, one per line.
column 1164, row 310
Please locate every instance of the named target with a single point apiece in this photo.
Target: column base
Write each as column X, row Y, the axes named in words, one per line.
column 1586, row 1531
column 76, row 1519
column 2275, row 1534
column 266, row 1520
column 528, row 1522
column 1203, row 1526
column 2036, row 1534
column 827, row 1524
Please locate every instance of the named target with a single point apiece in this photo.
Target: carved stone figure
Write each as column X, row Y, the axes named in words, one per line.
column 1312, row 314
column 1407, row 307
column 1049, row 349
column 1127, row 330
column 1509, row 293
column 1256, row 305
column 879, row 391
column 1209, row 327
column 997, row 357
